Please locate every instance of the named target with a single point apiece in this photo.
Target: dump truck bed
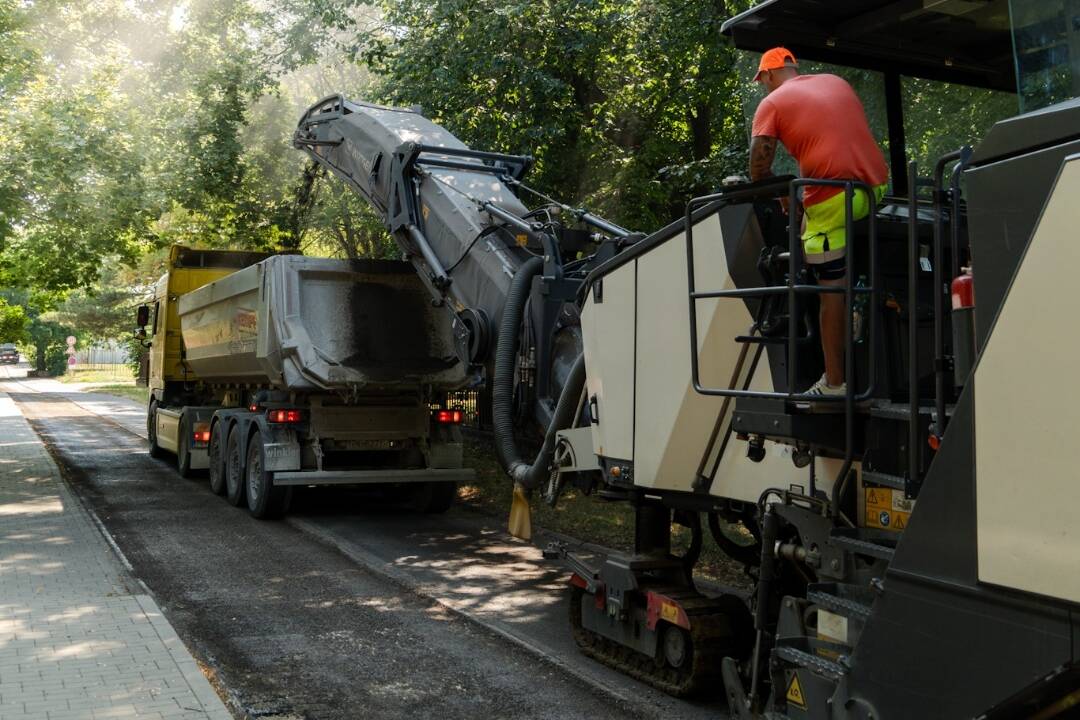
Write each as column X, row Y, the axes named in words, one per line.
column 309, row 324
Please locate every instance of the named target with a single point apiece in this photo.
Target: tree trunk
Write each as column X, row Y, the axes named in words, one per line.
column 700, row 120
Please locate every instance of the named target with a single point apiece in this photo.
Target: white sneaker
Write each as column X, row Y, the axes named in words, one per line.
column 822, row 387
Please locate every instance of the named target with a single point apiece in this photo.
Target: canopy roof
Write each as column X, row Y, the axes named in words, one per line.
column 960, row 41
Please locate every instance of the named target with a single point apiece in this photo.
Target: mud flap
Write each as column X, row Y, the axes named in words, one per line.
column 282, row 449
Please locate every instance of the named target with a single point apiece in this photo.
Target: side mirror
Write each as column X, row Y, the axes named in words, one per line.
column 142, row 316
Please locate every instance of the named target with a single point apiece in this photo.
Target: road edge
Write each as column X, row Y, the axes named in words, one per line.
column 386, row 570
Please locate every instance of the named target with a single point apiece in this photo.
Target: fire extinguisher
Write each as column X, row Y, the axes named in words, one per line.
column 963, row 325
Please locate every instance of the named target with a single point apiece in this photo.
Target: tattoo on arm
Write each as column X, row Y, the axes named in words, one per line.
column 762, row 152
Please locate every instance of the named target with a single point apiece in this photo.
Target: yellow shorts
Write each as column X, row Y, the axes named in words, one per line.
column 825, row 237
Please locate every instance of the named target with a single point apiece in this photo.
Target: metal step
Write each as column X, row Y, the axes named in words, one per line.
column 844, row 604
column 863, row 547
column 814, row 663
column 896, row 482
column 901, row 412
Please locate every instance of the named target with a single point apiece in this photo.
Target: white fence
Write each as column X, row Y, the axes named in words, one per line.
column 101, row 356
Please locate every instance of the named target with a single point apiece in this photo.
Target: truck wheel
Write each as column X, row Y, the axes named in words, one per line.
column 217, row 462
column 151, row 430
column 263, row 499
column 433, row 497
column 183, row 449
column 234, row 468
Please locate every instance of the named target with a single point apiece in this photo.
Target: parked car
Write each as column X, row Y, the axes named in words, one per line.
column 9, row 354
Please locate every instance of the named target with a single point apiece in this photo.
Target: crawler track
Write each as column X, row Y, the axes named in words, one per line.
column 718, row 628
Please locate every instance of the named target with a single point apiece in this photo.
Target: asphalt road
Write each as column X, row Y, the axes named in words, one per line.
column 351, row 608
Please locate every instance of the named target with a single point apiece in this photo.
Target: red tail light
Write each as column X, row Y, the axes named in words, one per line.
column 283, row 416
column 449, row 417
column 202, row 436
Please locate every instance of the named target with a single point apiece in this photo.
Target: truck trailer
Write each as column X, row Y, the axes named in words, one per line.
column 273, row 372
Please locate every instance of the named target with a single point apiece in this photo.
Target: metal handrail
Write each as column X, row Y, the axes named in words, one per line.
column 940, row 196
column 793, row 290
column 913, row 326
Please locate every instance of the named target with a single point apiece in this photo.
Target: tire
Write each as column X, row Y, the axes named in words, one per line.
column 264, row 501
column 183, row 449
column 217, row 460
column 151, row 431
column 433, row 498
column 234, row 468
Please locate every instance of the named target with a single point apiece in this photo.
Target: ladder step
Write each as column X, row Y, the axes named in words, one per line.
column 814, row 663
column 842, row 599
column 896, row 411
column 895, row 482
column 863, row 547
column 761, row 340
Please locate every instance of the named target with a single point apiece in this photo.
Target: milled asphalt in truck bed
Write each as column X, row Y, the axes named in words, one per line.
column 292, row 626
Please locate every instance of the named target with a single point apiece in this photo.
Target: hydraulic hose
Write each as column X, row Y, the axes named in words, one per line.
column 529, row 476
column 745, row 554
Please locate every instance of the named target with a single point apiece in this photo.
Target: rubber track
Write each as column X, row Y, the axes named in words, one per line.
column 719, row 627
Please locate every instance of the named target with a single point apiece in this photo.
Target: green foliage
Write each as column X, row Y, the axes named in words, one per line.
column 126, row 127
column 135, row 352
column 129, row 134
column 940, row 117
column 613, row 99
column 74, row 169
column 100, row 313
column 48, row 343
column 13, row 323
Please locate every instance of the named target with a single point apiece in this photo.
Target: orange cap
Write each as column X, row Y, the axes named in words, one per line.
column 778, row 57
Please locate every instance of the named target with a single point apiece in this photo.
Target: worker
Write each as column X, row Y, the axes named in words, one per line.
column 822, row 124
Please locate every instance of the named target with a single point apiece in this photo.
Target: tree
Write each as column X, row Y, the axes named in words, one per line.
column 48, row 342
column 75, row 174
column 13, row 322
column 624, row 105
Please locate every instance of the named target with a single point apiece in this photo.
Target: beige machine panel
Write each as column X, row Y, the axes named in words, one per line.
column 608, row 328
column 1026, row 414
column 673, row 421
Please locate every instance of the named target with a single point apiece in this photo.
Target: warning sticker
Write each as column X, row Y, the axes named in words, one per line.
column 886, row 508
column 832, row 626
column 795, row 693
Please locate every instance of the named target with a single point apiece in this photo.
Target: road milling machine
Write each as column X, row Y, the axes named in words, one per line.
column 912, row 543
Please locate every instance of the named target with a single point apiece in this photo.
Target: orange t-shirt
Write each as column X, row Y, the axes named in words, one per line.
column 821, row 122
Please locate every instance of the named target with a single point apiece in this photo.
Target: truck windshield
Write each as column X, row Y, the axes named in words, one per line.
column 1046, row 47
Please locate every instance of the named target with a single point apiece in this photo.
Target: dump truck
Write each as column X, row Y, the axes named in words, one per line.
column 276, row 372
column 911, row 543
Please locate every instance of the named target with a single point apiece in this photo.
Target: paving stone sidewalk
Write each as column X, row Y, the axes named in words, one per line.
column 79, row 638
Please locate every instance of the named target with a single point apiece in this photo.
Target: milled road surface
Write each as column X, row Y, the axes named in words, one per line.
column 288, row 626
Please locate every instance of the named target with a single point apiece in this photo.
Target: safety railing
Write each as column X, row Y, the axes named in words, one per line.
column 941, row 197
column 795, row 290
